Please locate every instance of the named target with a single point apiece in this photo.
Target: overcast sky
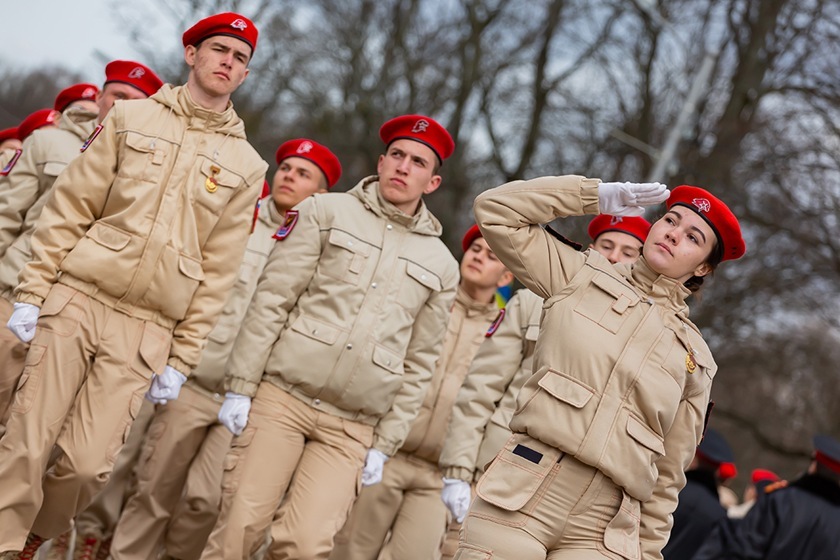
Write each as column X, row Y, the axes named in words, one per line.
column 61, row 32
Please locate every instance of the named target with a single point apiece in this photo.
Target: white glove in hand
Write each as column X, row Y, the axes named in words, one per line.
column 234, row 412
column 372, row 473
column 166, row 386
column 629, row 199
column 23, row 321
column 456, row 496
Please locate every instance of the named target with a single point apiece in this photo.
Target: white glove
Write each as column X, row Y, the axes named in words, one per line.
column 23, row 320
column 234, row 412
column 372, row 473
column 166, row 386
column 456, row 496
column 629, row 199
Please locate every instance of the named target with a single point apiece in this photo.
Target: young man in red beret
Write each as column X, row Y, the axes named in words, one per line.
column 406, row 503
column 336, row 350
column 186, row 442
column 487, row 399
column 132, row 260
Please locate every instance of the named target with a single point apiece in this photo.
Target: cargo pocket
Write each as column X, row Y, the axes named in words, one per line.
column 607, row 302
column 361, row 433
column 53, row 317
column 417, row 286
column 145, row 158
column 235, row 458
column 347, row 257
column 215, row 186
column 124, row 427
column 152, row 351
column 517, row 473
column 621, row 535
column 473, row 552
column 30, row 379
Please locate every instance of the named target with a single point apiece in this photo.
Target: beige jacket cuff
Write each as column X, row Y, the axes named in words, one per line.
column 28, row 297
column 389, row 448
column 179, row 364
column 461, row 473
column 243, row 387
column 589, row 195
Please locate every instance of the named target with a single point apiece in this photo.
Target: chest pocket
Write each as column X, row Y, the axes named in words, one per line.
column 53, row 168
column 349, row 257
column 417, row 285
column 145, row 157
column 607, row 302
column 215, row 185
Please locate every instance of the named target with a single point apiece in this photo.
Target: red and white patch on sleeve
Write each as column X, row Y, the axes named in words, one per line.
column 288, row 225
column 92, row 136
column 494, row 326
column 6, row 170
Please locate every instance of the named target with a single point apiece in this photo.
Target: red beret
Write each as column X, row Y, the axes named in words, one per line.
column 36, row 120
column 421, row 129
column 727, row 471
column 761, row 475
column 133, row 74
column 717, row 214
column 75, row 93
column 266, row 190
column 317, row 153
column 472, row 234
column 227, row 23
column 636, row 226
column 8, row 133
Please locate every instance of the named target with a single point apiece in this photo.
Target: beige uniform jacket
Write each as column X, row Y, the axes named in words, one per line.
column 152, row 219
column 484, row 406
column 350, row 311
column 611, row 381
column 46, row 152
column 465, row 330
column 209, row 376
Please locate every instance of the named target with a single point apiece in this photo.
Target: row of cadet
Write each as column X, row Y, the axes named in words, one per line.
column 187, row 375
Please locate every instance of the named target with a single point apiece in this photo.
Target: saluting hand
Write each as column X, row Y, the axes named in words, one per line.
column 629, row 199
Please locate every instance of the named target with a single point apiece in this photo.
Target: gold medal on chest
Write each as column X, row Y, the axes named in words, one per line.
column 690, row 363
column 211, row 183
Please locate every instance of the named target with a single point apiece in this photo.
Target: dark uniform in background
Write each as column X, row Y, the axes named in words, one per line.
column 799, row 520
column 699, row 509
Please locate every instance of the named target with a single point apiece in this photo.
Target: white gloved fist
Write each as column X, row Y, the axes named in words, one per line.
column 166, row 386
column 23, row 321
column 372, row 473
column 234, row 412
column 456, row 495
column 629, row 199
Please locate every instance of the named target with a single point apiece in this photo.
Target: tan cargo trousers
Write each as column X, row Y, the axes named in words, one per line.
column 555, row 509
column 12, row 355
column 97, row 362
column 290, row 445
column 407, row 503
column 178, row 481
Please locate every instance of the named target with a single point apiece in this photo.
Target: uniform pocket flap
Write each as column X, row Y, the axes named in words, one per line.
column 532, row 332
column 56, row 300
column 139, row 142
column 423, row 275
column 343, row 239
column 108, row 236
column 625, row 297
column 35, row 354
column 190, row 268
column 154, row 347
column 645, row 435
column 319, row 330
column 566, row 389
column 54, row 168
column 387, row 359
column 515, row 475
column 222, row 176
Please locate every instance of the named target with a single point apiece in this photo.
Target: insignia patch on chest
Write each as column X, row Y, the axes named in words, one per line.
column 6, row 170
column 494, row 326
column 92, row 136
column 288, row 225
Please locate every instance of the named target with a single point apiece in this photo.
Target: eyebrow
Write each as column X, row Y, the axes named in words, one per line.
column 695, row 228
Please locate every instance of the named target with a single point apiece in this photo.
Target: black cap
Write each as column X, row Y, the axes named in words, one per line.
column 714, row 448
column 828, row 451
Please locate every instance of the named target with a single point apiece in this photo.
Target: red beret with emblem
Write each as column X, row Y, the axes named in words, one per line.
column 762, row 475
column 76, row 92
column 133, row 74
column 715, row 213
column 227, row 23
column 472, row 234
column 420, row 129
column 41, row 117
column 8, row 133
column 317, row 153
column 636, row 226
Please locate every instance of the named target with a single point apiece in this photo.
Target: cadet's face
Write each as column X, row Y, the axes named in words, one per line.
column 679, row 244
column 11, row 144
column 295, row 179
column 618, row 247
column 114, row 91
column 219, row 65
column 406, row 173
column 482, row 268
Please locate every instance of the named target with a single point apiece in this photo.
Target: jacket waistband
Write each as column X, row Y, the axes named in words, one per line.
column 93, row 291
column 321, row 405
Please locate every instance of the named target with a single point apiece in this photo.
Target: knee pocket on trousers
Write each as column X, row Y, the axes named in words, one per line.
column 472, row 552
column 124, row 427
column 30, row 379
column 235, row 456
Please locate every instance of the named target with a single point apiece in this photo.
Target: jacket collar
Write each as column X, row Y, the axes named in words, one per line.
column 661, row 289
column 78, row 121
column 474, row 308
column 180, row 102
column 423, row 222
